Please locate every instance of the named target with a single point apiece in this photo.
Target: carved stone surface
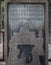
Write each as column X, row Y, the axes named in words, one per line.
column 21, row 50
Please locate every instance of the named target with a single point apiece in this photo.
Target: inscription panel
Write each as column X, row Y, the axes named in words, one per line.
column 19, row 14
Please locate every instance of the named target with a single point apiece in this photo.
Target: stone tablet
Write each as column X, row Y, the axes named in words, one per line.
column 26, row 32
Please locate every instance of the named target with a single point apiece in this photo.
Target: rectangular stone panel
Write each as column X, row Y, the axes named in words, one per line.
column 26, row 27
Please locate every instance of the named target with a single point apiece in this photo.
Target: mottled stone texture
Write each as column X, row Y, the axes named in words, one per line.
column 24, row 37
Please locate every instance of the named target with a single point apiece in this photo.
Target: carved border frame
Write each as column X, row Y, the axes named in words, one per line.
column 46, row 23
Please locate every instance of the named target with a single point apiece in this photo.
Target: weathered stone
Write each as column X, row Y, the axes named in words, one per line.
column 25, row 38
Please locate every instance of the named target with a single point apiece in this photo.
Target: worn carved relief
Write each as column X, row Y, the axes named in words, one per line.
column 26, row 48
